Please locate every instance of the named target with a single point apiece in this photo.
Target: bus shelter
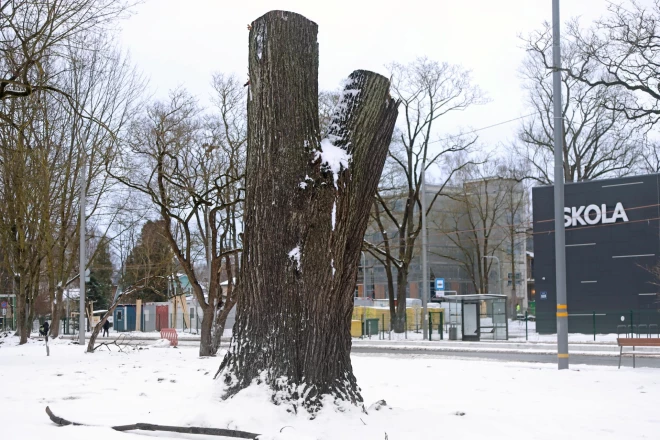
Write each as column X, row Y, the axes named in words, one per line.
column 476, row 317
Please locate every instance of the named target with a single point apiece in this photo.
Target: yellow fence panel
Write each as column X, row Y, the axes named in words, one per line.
column 413, row 316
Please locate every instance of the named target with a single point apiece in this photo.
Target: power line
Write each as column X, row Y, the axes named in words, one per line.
column 482, row 128
column 530, row 223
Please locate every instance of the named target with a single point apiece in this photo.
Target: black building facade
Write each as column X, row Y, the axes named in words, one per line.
column 612, row 239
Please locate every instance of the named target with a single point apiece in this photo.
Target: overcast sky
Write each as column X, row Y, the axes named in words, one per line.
column 181, row 43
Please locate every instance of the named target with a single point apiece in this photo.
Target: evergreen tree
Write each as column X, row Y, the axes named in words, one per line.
column 99, row 288
column 150, row 263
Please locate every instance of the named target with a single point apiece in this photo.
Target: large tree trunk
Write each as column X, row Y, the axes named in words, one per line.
column 306, row 210
column 219, row 326
column 21, row 318
column 402, row 283
column 205, row 333
column 56, row 313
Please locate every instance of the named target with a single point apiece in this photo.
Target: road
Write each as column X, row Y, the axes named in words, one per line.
column 576, row 359
column 512, row 355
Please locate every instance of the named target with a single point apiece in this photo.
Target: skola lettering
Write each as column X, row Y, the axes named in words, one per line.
column 593, row 215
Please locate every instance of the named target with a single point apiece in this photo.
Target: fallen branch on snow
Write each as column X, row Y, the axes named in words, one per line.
column 150, row 427
column 121, row 343
column 108, row 344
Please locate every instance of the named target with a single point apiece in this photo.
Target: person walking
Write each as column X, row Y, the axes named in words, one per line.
column 44, row 329
column 106, row 328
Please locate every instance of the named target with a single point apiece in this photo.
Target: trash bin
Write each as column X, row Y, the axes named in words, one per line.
column 371, row 327
column 453, row 333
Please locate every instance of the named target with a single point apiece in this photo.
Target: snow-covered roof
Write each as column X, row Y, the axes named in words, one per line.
column 72, row 293
column 531, row 254
column 226, row 283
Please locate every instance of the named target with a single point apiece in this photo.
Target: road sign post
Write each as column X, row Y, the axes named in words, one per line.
column 439, row 287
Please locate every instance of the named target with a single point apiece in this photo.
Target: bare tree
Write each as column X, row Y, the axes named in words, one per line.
column 516, row 221
column 31, row 31
column 622, row 53
column 327, row 103
column 427, row 90
column 53, row 46
column 191, row 171
column 306, row 210
column 650, row 155
column 24, row 204
column 473, row 220
column 104, row 86
column 598, row 140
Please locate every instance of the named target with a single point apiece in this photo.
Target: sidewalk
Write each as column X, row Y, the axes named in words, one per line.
column 512, row 346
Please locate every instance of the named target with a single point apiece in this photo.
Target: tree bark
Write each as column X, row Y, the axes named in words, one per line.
column 21, row 317
column 305, row 218
column 205, row 342
column 56, row 312
column 402, row 283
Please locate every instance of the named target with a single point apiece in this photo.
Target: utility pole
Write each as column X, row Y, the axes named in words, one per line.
column 560, row 249
column 425, row 268
column 83, row 251
column 364, row 274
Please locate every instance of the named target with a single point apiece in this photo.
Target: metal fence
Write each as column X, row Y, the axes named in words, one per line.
column 598, row 323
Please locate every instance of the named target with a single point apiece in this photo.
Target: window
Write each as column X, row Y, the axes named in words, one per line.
column 518, row 278
column 119, row 315
column 192, row 313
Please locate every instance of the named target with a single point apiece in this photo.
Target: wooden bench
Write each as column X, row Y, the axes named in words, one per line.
column 636, row 342
column 171, row 335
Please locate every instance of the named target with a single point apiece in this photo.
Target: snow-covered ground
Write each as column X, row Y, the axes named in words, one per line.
column 516, row 334
column 175, row 387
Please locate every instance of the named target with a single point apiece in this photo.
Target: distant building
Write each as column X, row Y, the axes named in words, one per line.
column 454, row 244
column 612, row 248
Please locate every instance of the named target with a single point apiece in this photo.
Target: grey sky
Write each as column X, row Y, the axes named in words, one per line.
column 181, row 43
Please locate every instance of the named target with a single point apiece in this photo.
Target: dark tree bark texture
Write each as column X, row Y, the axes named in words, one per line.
column 307, row 206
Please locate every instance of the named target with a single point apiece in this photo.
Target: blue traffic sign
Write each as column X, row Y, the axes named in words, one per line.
column 3, row 304
column 544, row 295
column 439, row 284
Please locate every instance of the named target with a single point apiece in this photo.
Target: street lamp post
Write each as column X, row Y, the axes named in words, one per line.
column 425, row 267
column 364, row 274
column 560, row 250
column 82, row 252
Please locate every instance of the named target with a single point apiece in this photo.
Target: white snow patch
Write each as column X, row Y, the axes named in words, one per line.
column 294, row 254
column 334, row 214
column 260, row 44
column 332, row 263
column 161, row 343
column 336, row 158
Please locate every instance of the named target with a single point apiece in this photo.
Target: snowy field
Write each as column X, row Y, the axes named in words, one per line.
column 426, row 395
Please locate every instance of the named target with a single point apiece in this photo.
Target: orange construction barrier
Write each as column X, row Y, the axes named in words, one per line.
column 171, row 335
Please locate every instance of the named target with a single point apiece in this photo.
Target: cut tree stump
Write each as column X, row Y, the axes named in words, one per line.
column 307, row 206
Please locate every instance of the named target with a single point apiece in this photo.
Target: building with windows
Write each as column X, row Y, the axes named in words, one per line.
column 479, row 218
column 612, row 247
